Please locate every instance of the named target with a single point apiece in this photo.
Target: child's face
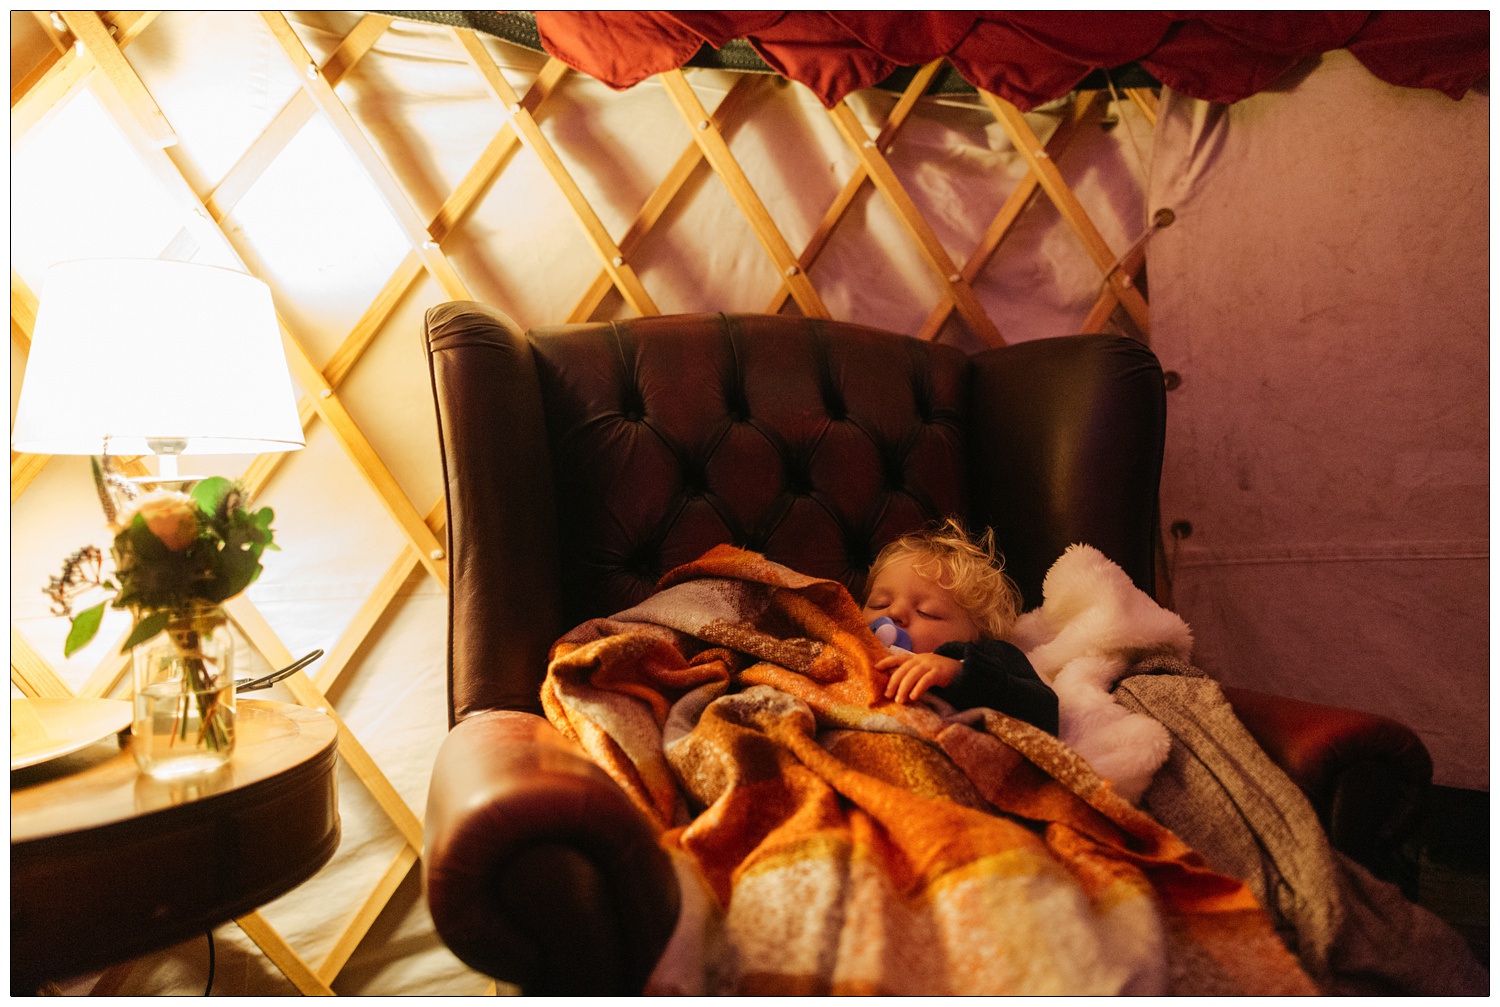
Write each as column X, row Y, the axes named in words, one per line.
column 918, row 605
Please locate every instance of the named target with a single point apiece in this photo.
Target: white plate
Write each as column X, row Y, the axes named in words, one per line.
column 43, row 729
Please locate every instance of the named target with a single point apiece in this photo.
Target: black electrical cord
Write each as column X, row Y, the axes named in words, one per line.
column 210, row 985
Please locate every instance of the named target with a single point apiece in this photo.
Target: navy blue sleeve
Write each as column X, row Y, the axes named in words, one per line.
column 997, row 675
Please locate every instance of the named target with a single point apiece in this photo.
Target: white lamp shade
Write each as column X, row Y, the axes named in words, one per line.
column 130, row 351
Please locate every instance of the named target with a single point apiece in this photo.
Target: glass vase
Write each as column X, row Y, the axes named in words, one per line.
column 184, row 695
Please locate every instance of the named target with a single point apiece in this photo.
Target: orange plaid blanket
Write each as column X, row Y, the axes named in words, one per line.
column 831, row 841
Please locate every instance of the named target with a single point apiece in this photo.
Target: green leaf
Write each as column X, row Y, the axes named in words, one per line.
column 209, row 492
column 85, row 625
column 146, row 629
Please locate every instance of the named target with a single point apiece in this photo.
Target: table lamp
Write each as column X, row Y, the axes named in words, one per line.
column 150, row 356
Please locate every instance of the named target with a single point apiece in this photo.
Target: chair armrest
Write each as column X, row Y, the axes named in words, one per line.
column 503, row 592
column 538, row 868
column 1367, row 776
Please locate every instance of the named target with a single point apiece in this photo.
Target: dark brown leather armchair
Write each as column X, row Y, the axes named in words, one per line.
column 583, row 462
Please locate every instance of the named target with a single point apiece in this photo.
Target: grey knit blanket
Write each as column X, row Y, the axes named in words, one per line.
column 1220, row 792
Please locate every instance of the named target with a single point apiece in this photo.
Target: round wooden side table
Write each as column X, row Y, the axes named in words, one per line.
column 107, row 864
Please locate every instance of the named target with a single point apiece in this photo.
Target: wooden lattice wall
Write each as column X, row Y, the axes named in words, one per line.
column 91, row 53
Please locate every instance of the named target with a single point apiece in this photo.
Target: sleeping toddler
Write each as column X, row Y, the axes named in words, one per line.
column 951, row 597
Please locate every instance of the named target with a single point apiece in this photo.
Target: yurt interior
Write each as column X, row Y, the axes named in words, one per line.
column 444, row 567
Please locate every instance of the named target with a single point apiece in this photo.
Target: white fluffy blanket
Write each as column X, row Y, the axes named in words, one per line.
column 1094, row 624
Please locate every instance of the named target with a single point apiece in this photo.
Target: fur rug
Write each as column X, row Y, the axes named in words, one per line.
column 1092, row 626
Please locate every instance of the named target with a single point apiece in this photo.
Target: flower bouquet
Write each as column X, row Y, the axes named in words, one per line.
column 177, row 558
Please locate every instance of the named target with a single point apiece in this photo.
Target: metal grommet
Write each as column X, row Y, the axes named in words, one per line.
column 1172, row 380
column 1163, row 217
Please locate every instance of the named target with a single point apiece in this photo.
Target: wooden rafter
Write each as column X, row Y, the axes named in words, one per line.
column 466, row 195
column 24, row 467
column 956, row 287
column 23, row 305
column 1145, row 100
column 716, row 152
column 264, row 639
column 374, row 607
column 30, row 672
column 42, row 91
column 621, row 273
column 369, row 911
column 725, row 117
column 324, row 401
column 857, row 179
column 317, row 87
column 1086, row 108
column 295, row 114
column 1073, row 213
column 125, row 103
column 34, row 676
column 91, row 33
column 282, row 956
column 54, row 28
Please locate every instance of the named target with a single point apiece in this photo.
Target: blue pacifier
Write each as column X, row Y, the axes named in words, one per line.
column 890, row 634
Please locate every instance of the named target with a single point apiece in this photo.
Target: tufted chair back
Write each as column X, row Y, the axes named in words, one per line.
column 583, row 462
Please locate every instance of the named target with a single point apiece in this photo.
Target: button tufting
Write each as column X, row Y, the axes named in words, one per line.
column 834, row 405
column 894, row 474
column 799, row 482
column 860, row 554
column 736, row 401
column 642, row 562
column 633, row 405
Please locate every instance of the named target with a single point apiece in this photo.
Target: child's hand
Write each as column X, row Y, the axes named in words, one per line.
column 914, row 674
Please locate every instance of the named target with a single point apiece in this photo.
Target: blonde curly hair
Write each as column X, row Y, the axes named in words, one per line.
column 970, row 569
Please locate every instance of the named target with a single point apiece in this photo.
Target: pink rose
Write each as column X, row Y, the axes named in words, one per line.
column 170, row 516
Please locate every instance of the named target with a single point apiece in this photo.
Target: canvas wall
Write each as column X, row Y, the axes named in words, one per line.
column 1324, row 297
